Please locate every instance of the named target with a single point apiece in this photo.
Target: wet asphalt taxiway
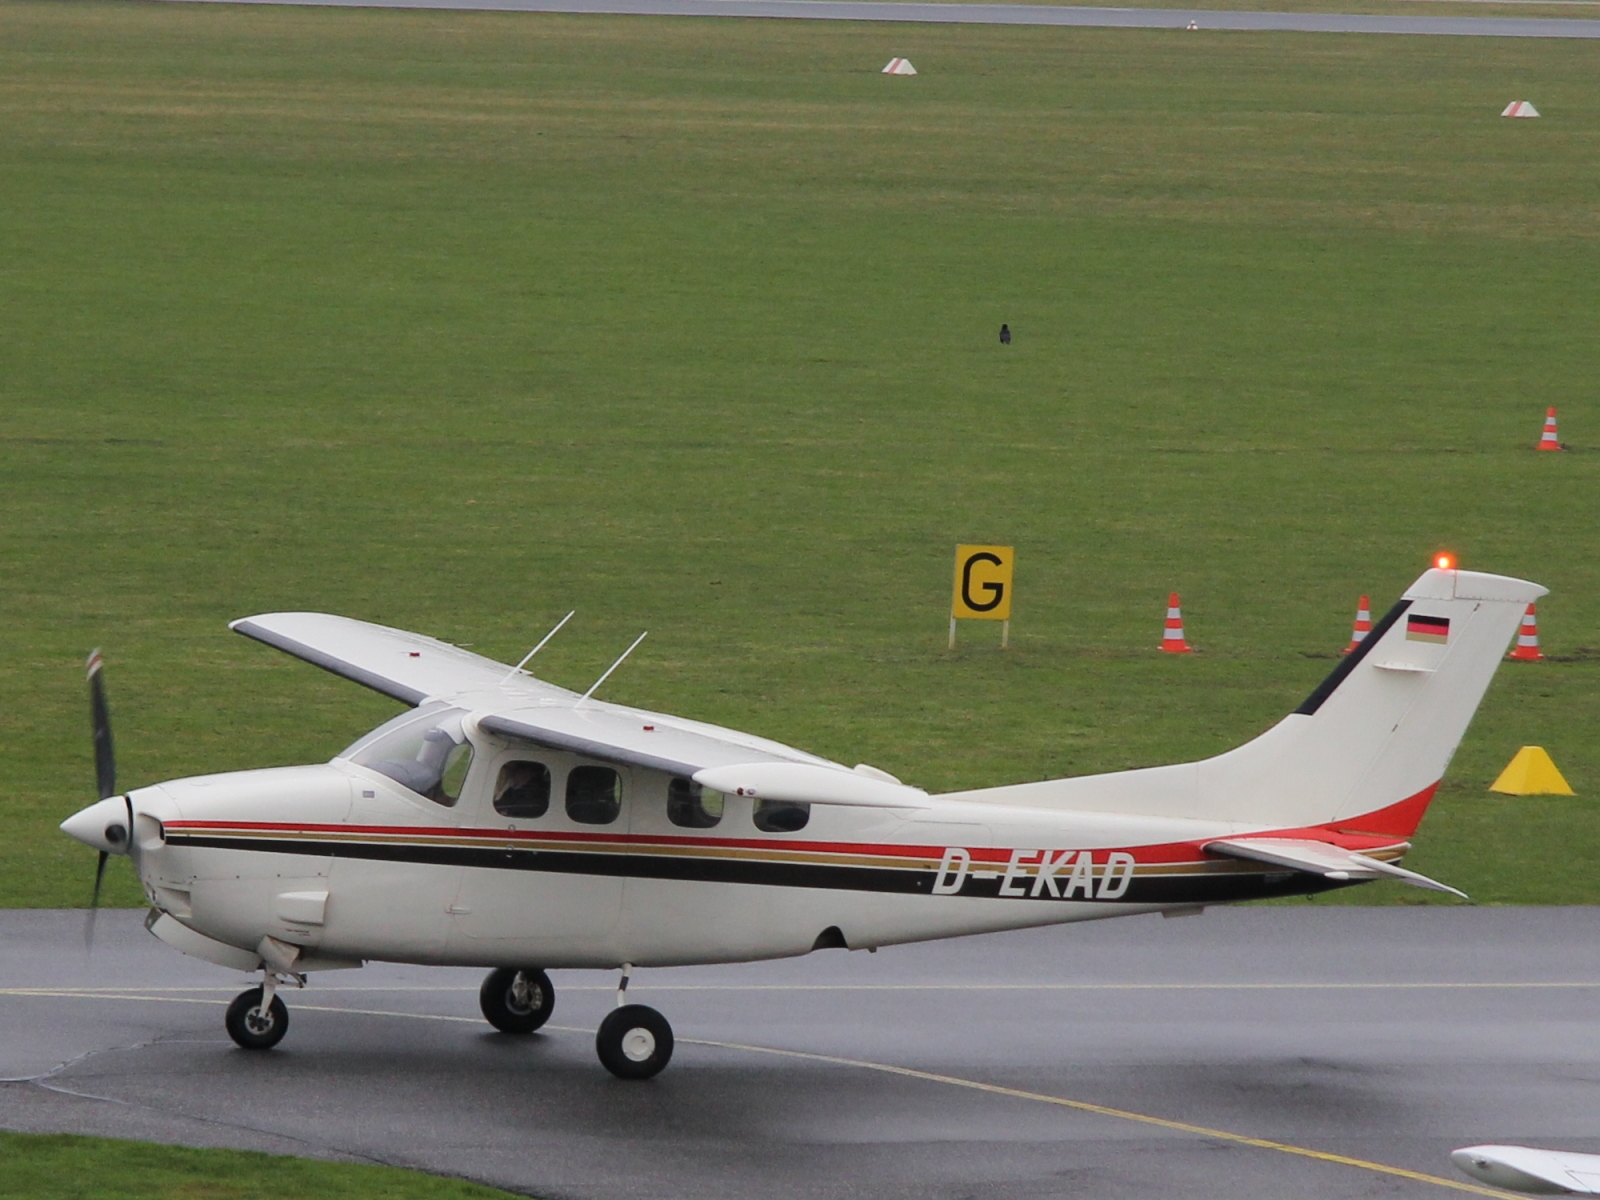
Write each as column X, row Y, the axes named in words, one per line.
column 1307, row 1052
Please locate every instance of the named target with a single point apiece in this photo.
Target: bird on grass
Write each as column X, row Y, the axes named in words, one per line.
column 1005, row 335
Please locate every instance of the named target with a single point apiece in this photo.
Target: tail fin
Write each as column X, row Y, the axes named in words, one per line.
column 1367, row 748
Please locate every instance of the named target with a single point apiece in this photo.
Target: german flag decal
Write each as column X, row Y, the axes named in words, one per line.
column 1427, row 629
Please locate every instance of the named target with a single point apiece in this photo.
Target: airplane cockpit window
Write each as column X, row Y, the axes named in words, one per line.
column 426, row 751
column 690, row 805
column 522, row 790
column 594, row 795
column 780, row 816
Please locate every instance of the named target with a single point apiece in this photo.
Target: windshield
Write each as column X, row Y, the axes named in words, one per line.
column 426, row 751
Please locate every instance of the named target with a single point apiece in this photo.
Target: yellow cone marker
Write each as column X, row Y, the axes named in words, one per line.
column 1531, row 773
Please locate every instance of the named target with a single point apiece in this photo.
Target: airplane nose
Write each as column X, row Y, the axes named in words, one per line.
column 102, row 826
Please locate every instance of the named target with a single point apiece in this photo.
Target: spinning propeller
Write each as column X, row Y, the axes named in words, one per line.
column 108, row 825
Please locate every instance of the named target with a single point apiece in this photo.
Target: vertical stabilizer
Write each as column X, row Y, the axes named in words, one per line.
column 1366, row 748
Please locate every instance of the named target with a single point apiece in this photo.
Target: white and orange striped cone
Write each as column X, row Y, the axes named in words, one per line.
column 1528, row 638
column 1363, row 625
column 1548, row 439
column 1172, row 640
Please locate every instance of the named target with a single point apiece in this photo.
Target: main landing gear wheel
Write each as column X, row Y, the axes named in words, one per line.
column 255, row 1027
column 634, row 1042
column 517, row 1001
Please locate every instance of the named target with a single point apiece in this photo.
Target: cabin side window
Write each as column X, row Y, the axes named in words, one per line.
column 594, row 795
column 691, row 806
column 522, row 790
column 780, row 816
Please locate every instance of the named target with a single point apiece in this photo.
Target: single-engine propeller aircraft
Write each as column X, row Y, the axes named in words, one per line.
column 508, row 823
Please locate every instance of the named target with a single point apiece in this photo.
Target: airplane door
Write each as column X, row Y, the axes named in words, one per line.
column 545, row 884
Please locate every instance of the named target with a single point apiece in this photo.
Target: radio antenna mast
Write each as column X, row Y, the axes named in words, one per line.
column 528, row 657
column 613, row 667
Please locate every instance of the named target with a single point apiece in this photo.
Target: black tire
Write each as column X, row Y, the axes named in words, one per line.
column 634, row 1042
column 508, row 1013
column 253, row 1027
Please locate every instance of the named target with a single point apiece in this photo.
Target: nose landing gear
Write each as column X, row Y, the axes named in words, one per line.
column 634, row 1041
column 257, row 1019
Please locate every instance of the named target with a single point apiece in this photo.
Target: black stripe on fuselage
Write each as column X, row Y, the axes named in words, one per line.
column 1202, row 887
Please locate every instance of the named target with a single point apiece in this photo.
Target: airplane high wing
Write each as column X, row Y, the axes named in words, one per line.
column 660, row 743
column 412, row 668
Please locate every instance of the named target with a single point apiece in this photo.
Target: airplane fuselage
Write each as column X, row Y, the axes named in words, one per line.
column 401, row 878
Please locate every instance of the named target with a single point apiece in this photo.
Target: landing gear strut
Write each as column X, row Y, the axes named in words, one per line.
column 257, row 1019
column 634, row 1041
column 517, row 1001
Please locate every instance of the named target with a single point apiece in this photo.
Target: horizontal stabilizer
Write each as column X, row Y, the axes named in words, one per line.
column 1527, row 1169
column 1323, row 858
column 804, row 783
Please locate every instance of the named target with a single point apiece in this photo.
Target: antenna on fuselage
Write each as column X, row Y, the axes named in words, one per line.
column 613, row 667
column 528, row 657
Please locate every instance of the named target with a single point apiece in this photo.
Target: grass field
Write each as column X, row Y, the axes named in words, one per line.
column 458, row 321
column 64, row 1167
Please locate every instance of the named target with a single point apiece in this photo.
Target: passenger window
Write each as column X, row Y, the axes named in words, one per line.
column 781, row 816
column 690, row 805
column 594, row 795
column 522, row 790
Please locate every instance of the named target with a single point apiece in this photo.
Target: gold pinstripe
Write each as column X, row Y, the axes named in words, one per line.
column 468, row 840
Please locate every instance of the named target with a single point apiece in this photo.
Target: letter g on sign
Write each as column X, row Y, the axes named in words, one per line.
column 996, row 590
column 983, row 583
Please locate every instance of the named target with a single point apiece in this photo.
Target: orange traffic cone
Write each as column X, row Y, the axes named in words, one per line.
column 1548, row 439
column 1172, row 640
column 1363, row 625
column 1528, row 638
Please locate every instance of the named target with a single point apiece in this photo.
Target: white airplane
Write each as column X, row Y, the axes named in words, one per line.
column 512, row 824
column 1526, row 1169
